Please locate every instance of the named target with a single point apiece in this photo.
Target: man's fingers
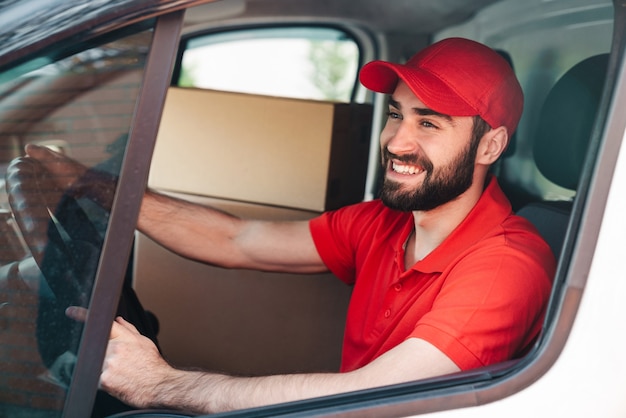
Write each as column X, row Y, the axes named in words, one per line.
column 33, row 150
column 77, row 313
column 40, row 153
column 120, row 325
column 64, row 169
column 126, row 325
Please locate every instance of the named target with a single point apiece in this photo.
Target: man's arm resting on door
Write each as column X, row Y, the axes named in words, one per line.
column 136, row 373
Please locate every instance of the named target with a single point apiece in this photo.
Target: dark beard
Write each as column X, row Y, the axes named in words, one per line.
column 439, row 186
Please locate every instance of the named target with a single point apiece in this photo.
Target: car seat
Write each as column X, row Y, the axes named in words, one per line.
column 562, row 140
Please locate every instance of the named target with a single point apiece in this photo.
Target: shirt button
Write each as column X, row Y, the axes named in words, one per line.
column 387, row 313
column 398, row 287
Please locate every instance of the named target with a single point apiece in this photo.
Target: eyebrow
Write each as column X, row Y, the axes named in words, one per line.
column 422, row 111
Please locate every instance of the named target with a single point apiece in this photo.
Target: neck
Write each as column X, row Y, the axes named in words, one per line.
column 433, row 227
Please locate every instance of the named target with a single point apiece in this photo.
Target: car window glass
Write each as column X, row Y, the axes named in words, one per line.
column 298, row 62
column 81, row 105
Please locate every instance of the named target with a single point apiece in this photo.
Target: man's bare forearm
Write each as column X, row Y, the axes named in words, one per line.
column 202, row 392
column 209, row 235
column 206, row 392
column 135, row 372
column 189, row 229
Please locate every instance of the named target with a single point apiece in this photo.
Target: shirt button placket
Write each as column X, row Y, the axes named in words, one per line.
column 390, row 298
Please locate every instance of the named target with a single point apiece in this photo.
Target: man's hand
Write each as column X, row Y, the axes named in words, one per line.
column 74, row 178
column 65, row 171
column 133, row 366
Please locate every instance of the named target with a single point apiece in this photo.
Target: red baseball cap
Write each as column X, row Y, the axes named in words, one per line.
column 456, row 77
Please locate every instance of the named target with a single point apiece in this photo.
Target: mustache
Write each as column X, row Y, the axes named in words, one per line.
column 413, row 159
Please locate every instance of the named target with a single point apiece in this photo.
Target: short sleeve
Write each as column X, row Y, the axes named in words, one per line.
column 339, row 235
column 332, row 243
column 486, row 315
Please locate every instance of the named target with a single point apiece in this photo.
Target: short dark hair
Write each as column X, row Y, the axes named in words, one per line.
column 480, row 128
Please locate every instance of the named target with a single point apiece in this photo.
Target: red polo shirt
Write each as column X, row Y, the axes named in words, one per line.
column 479, row 297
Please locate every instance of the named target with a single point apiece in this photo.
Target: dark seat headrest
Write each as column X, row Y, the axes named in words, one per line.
column 566, row 121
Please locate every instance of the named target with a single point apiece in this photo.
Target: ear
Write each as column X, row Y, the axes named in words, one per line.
column 492, row 145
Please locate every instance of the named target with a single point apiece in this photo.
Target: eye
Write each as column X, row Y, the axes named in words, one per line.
column 393, row 115
column 428, row 124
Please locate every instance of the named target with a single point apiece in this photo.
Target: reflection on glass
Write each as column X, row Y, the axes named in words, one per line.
column 82, row 106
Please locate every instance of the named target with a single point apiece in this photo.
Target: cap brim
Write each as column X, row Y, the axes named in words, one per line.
column 382, row 77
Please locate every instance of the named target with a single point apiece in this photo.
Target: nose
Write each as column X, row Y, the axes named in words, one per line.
column 399, row 138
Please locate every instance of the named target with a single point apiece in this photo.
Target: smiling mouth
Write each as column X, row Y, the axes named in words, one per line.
column 406, row 169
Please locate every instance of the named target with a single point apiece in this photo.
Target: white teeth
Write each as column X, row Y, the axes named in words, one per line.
column 405, row 169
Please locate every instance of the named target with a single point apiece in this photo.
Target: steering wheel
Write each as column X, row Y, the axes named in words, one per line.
column 64, row 243
column 56, row 229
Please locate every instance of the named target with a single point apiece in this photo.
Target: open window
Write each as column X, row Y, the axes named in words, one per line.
column 245, row 128
column 304, row 62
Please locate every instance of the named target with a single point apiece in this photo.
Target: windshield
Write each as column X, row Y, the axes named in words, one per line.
column 81, row 106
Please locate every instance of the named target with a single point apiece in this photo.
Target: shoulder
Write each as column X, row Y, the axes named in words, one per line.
column 358, row 226
column 362, row 214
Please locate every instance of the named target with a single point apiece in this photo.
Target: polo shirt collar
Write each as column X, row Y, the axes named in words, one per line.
column 490, row 211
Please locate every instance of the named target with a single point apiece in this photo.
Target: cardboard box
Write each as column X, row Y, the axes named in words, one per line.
column 292, row 153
